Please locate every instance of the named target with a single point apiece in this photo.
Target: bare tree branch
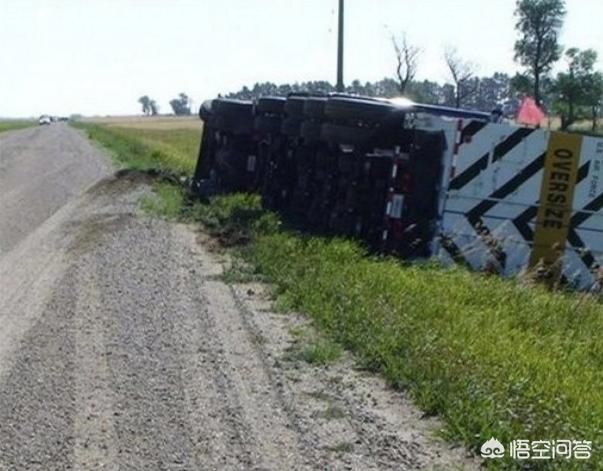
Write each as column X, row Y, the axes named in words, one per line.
column 463, row 76
column 407, row 57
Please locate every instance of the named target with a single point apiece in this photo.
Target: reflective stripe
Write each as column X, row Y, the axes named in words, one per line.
column 556, row 200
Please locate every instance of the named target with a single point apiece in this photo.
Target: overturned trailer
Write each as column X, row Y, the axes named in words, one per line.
column 416, row 180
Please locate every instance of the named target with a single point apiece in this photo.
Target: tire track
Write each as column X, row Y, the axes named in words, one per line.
column 122, row 349
column 96, row 441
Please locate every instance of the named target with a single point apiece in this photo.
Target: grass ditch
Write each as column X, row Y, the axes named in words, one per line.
column 491, row 357
column 313, row 348
column 143, row 149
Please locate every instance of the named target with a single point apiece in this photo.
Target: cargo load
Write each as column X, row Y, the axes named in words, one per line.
column 416, row 181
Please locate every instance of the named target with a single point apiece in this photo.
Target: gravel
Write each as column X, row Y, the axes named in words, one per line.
column 122, row 348
column 41, row 169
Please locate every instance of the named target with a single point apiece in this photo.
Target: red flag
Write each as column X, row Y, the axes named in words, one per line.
column 529, row 113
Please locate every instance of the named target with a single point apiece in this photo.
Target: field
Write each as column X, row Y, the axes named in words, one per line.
column 492, row 357
column 167, row 142
column 16, row 124
column 585, row 126
column 149, row 122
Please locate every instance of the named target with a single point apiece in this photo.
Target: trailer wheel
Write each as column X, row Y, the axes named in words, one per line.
column 294, row 108
column 310, row 131
column 315, row 107
column 234, row 124
column 291, row 127
column 228, row 107
column 270, row 105
column 206, row 110
column 267, row 124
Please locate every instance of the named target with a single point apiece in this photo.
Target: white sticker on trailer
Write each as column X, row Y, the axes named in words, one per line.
column 397, row 205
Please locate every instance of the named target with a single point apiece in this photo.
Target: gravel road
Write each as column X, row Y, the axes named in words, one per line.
column 121, row 346
column 41, row 169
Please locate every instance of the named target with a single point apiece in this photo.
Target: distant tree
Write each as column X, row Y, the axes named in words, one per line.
column 154, row 108
column 522, row 84
column 145, row 101
column 495, row 90
column 407, row 57
column 537, row 49
column 448, row 95
column 576, row 88
column 284, row 90
column 317, row 86
column 358, row 88
column 262, row 89
column 425, row 92
column 463, row 76
column 594, row 97
column 386, row 88
column 491, row 92
column 181, row 105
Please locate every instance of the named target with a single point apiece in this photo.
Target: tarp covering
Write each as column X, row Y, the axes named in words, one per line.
column 530, row 113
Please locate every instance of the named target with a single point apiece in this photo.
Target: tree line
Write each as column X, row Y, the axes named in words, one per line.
column 575, row 93
column 487, row 92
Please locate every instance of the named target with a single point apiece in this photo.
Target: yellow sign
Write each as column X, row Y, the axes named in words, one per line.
column 556, row 199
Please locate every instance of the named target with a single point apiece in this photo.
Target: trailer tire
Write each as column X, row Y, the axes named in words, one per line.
column 267, row 124
column 206, row 110
column 237, row 108
column 270, row 105
column 315, row 107
column 291, row 127
column 234, row 124
column 294, row 107
column 310, row 131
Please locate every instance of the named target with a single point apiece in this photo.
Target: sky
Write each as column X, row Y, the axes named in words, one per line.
column 96, row 57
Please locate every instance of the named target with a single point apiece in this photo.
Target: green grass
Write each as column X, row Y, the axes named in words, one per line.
column 321, row 352
column 178, row 148
column 174, row 150
column 318, row 351
column 166, row 202
column 240, row 271
column 18, row 124
column 491, row 357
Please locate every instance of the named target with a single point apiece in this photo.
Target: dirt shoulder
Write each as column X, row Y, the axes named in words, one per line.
column 123, row 347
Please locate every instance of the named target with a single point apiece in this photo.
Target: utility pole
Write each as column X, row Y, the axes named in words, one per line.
column 340, row 86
